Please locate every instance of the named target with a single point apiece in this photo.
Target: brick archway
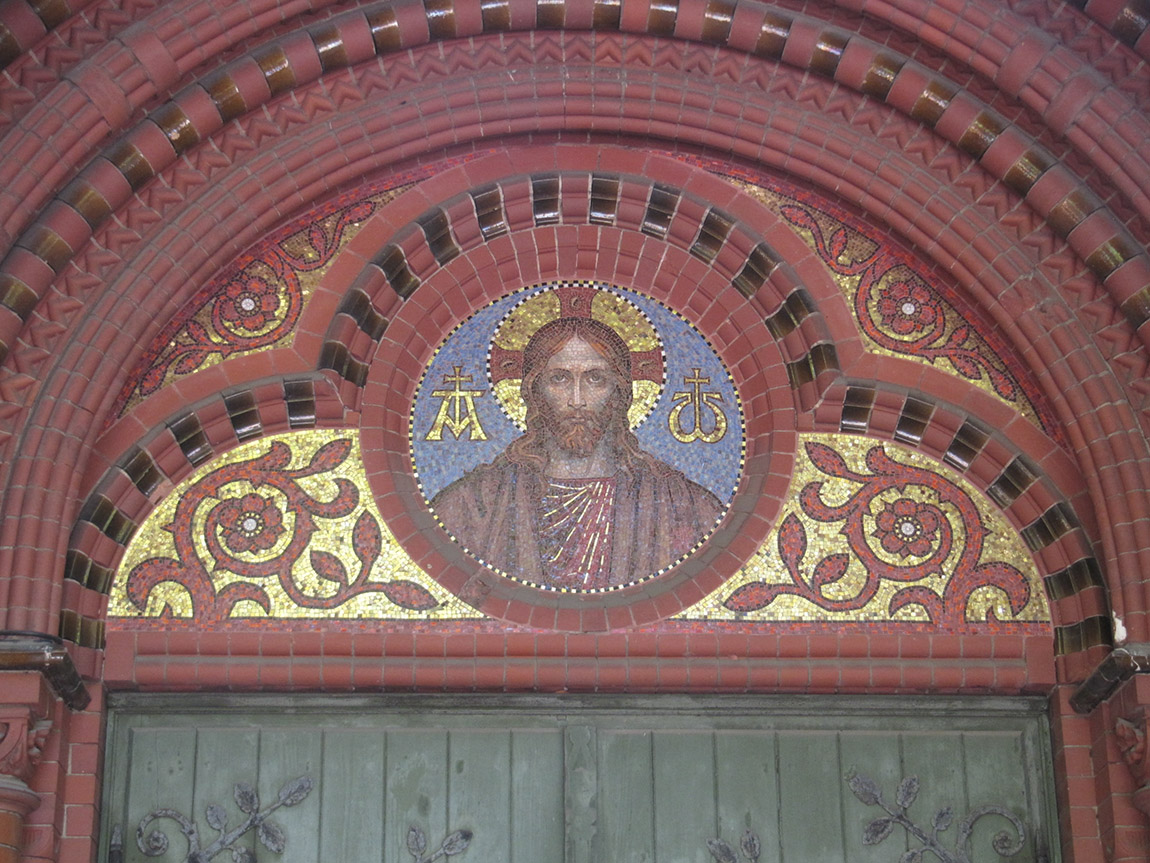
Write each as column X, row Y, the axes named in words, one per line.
column 150, row 147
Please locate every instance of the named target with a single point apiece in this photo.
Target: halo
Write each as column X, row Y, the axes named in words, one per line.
column 576, row 300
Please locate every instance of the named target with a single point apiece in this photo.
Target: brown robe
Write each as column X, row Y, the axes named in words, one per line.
column 659, row 516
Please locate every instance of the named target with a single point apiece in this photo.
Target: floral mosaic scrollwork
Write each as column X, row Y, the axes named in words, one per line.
column 875, row 532
column 900, row 312
column 274, row 531
column 256, row 306
column 895, row 537
column 900, row 309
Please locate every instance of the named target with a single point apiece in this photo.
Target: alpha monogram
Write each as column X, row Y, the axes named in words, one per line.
column 457, row 408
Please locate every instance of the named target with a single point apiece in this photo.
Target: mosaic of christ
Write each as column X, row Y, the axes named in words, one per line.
column 579, row 438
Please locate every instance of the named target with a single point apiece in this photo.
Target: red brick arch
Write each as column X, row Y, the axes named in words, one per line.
column 146, row 144
column 177, row 127
column 817, row 168
column 1057, row 363
column 299, row 58
column 395, row 277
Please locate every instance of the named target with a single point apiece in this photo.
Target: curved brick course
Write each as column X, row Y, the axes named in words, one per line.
column 146, row 145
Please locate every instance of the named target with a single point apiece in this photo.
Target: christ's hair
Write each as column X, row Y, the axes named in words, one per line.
column 529, row 450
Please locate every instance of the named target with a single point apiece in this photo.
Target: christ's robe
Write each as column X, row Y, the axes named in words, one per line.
column 574, row 529
column 612, row 532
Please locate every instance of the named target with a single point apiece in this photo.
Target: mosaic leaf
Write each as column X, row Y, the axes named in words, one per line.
column 829, row 570
column 827, row 460
column 408, row 594
column 189, row 362
column 367, row 540
column 329, row 456
column 792, row 542
column 750, row 597
column 329, row 567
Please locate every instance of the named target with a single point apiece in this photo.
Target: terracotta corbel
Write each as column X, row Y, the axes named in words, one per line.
column 22, row 736
column 1133, row 735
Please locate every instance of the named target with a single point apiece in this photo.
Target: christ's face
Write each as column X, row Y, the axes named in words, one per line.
column 576, row 378
column 576, row 388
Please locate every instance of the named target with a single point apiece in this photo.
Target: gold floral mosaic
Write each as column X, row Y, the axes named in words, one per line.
column 873, row 531
column 283, row 527
column 255, row 305
column 899, row 311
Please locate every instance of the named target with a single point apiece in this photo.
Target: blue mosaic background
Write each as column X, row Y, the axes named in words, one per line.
column 716, row 466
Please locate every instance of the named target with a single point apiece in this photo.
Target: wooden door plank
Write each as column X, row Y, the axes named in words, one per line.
column 581, row 794
column 809, row 812
column 416, row 789
column 625, row 780
column 225, row 756
column 286, row 755
column 626, row 804
column 937, row 759
column 684, row 794
column 875, row 755
column 351, row 795
column 479, row 791
column 995, row 775
column 747, row 783
column 162, row 775
column 537, row 796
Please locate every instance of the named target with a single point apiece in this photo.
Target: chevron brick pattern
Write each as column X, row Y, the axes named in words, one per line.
column 149, row 144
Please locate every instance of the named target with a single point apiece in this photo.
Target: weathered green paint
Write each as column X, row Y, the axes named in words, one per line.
column 581, row 793
column 877, row 754
column 578, row 780
column 536, row 799
column 284, row 755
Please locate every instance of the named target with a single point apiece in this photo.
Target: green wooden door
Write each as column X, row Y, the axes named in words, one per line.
column 577, row 780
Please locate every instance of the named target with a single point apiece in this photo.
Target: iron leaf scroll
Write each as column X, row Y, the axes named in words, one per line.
column 247, row 800
column 455, row 843
column 869, row 793
column 724, row 853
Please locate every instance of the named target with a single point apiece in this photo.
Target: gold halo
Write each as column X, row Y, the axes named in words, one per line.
column 576, row 300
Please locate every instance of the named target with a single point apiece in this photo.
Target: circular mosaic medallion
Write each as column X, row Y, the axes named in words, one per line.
column 577, row 437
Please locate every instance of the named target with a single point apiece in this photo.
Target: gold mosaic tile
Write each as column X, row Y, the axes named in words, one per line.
column 876, row 532
column 898, row 311
column 283, row 527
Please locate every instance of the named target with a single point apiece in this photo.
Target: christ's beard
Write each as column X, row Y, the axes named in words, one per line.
column 579, row 432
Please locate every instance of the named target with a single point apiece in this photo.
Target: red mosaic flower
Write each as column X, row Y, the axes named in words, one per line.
column 250, row 523
column 907, row 527
column 249, row 303
column 907, row 308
